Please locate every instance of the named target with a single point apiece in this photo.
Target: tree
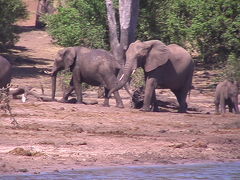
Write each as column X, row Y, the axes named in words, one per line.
column 121, row 36
column 44, row 7
column 10, row 13
column 83, row 22
column 209, row 28
column 79, row 22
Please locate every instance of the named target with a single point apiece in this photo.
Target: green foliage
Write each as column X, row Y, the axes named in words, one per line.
column 232, row 70
column 215, row 27
column 138, row 78
column 81, row 22
column 10, row 12
column 211, row 28
column 154, row 21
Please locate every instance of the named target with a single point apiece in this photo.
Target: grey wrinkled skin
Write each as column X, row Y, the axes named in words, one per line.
column 95, row 67
column 5, row 72
column 165, row 67
column 226, row 95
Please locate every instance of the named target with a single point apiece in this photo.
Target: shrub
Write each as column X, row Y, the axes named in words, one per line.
column 138, row 79
column 79, row 23
column 232, row 70
column 10, row 13
column 212, row 28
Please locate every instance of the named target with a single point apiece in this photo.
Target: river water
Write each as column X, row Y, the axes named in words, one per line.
column 212, row 171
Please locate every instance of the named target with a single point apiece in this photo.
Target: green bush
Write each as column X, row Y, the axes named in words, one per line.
column 10, row 12
column 210, row 28
column 79, row 23
column 215, row 27
column 137, row 78
column 232, row 70
column 159, row 20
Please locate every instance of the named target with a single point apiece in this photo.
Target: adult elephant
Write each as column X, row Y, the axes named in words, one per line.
column 168, row 67
column 95, row 67
column 5, row 72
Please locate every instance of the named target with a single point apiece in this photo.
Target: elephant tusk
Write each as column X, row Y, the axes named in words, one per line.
column 133, row 71
column 121, row 77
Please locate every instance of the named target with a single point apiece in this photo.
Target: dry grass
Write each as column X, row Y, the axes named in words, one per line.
column 23, row 152
column 5, row 104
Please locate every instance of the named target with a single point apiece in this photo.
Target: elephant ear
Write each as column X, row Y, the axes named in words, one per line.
column 69, row 57
column 157, row 56
column 116, row 64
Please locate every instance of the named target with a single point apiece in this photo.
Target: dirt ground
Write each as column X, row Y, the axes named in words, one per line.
column 54, row 136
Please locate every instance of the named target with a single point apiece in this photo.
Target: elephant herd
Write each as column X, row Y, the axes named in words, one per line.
column 95, row 67
column 165, row 67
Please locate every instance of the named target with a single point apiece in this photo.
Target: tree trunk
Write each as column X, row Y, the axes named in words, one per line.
column 113, row 32
column 128, row 11
column 119, row 41
column 44, row 7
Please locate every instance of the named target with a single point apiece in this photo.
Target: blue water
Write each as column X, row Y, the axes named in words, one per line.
column 213, row 171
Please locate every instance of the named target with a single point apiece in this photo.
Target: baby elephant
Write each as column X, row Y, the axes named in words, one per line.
column 226, row 94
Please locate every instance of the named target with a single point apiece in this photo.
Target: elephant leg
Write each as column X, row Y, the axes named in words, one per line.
column 216, row 106
column 109, row 83
column 106, row 98
column 181, row 96
column 177, row 94
column 236, row 109
column 119, row 102
column 77, row 85
column 154, row 105
column 66, row 94
column 235, row 106
column 151, row 84
column 222, row 105
column 230, row 106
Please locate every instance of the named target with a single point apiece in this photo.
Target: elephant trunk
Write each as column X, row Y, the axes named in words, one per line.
column 127, row 71
column 54, row 82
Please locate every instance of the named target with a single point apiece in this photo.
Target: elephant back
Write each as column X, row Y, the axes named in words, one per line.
column 107, row 57
column 180, row 58
column 178, row 53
